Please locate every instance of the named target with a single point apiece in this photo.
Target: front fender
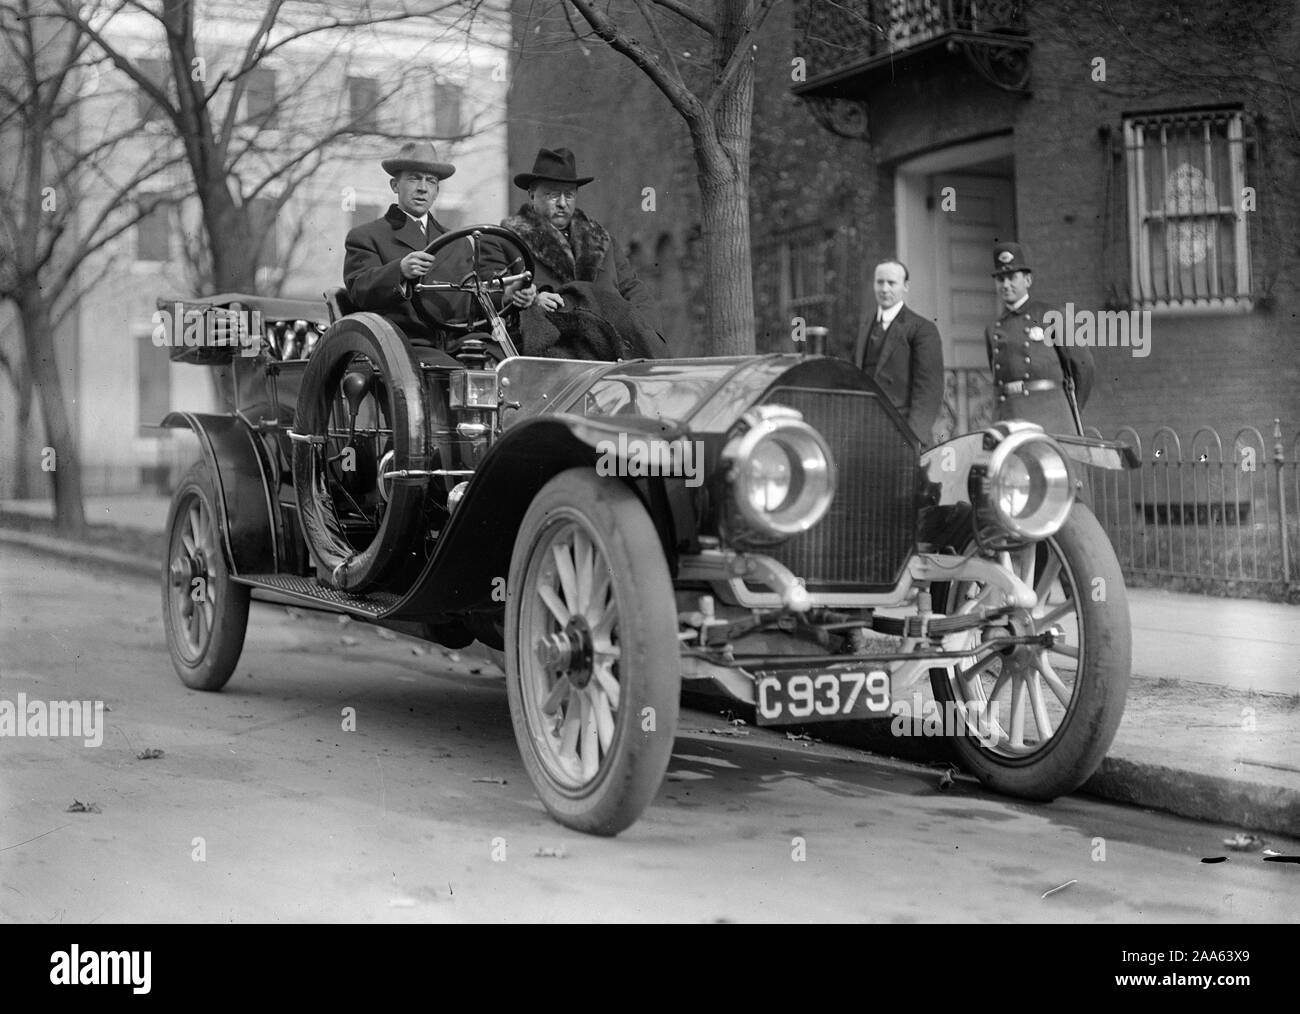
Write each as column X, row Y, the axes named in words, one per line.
column 468, row 569
column 242, row 475
column 947, row 467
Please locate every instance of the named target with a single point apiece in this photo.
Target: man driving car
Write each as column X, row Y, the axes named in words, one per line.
column 385, row 258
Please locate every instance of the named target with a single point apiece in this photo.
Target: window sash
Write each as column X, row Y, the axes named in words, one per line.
column 364, row 213
column 793, row 277
column 447, row 110
column 153, row 384
column 153, row 236
column 159, row 72
column 260, row 97
column 1187, row 238
column 363, row 99
column 264, row 220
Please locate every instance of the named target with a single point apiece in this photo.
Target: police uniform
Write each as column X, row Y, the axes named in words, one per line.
column 1028, row 378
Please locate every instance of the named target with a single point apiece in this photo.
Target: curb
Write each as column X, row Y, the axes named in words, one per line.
column 80, row 552
column 1212, row 798
column 1215, row 799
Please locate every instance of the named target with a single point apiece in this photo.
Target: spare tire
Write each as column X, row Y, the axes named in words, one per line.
column 396, row 386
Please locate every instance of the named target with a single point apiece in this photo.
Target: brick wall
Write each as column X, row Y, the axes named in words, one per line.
column 1226, row 370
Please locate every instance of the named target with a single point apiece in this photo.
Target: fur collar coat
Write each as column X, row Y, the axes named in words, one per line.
column 587, row 254
column 577, row 258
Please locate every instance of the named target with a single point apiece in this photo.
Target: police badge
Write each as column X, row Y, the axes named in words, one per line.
column 1035, row 333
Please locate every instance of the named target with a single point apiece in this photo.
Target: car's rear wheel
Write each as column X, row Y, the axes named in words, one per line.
column 592, row 664
column 1039, row 719
column 205, row 613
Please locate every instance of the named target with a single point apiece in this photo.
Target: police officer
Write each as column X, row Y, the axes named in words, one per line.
column 1028, row 365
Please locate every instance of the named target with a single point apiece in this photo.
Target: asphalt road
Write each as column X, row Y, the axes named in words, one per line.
column 263, row 808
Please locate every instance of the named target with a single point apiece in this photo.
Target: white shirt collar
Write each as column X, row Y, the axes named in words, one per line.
column 887, row 316
column 1019, row 302
column 423, row 219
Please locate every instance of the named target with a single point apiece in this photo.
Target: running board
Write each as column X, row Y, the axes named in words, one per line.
column 309, row 592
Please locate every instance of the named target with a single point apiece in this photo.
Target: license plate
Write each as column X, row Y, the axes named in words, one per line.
column 802, row 697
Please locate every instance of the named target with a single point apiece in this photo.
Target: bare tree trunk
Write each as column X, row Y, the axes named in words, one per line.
column 230, row 239
column 727, row 268
column 722, row 162
column 22, row 378
column 65, row 462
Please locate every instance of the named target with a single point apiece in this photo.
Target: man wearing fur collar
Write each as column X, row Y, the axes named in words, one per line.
column 567, row 245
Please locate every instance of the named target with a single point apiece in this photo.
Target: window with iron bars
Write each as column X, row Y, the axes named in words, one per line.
column 1187, row 227
column 794, row 276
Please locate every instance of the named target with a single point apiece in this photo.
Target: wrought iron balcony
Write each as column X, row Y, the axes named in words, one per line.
column 850, row 45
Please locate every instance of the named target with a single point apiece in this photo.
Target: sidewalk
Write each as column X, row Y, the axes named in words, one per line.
column 1212, row 726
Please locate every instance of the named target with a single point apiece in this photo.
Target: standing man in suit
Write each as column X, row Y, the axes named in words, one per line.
column 386, row 257
column 1028, row 367
column 902, row 351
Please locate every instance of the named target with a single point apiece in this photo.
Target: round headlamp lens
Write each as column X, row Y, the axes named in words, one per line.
column 1031, row 489
column 1015, row 487
column 771, row 475
column 781, row 474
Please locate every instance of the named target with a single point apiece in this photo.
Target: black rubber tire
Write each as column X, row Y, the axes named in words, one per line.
column 1080, row 741
column 648, row 669
column 370, row 335
column 207, row 660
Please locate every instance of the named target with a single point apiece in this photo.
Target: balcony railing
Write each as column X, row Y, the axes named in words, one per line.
column 848, row 44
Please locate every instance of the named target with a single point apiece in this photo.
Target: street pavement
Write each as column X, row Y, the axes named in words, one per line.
column 1212, row 724
column 264, row 803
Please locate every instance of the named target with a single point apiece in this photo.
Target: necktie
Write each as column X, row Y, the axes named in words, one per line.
column 875, row 338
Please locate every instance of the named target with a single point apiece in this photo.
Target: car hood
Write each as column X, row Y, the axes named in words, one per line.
column 701, row 395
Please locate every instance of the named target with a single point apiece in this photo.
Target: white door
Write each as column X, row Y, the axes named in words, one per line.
column 981, row 212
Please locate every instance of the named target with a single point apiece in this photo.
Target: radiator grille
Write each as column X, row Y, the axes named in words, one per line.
column 868, row 532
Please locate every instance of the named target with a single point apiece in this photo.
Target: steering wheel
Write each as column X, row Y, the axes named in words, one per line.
column 507, row 257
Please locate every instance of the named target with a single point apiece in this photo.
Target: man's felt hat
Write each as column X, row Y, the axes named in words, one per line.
column 556, row 165
column 1008, row 258
column 417, row 157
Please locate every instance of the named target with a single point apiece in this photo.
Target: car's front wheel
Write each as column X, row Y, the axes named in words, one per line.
column 592, row 665
column 205, row 613
column 1039, row 718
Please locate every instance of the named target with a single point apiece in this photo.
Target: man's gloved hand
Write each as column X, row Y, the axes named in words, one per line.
column 517, row 295
column 550, row 301
column 416, row 264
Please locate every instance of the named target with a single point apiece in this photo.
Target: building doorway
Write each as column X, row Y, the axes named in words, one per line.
column 952, row 206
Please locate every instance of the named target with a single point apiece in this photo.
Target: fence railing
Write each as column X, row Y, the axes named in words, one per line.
column 1203, row 509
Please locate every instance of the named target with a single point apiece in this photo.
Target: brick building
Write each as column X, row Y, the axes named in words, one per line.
column 418, row 78
column 1145, row 156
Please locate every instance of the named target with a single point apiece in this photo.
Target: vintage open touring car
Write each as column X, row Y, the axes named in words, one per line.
column 767, row 523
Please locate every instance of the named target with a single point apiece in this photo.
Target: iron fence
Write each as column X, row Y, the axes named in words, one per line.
column 1205, row 510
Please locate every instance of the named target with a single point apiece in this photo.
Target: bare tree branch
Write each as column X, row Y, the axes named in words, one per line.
column 739, row 55
column 672, row 86
column 104, row 236
column 142, row 80
column 368, row 21
column 683, row 11
column 653, row 22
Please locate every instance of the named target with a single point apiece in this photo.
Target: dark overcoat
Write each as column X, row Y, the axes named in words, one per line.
column 909, row 368
column 589, row 254
column 372, row 273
